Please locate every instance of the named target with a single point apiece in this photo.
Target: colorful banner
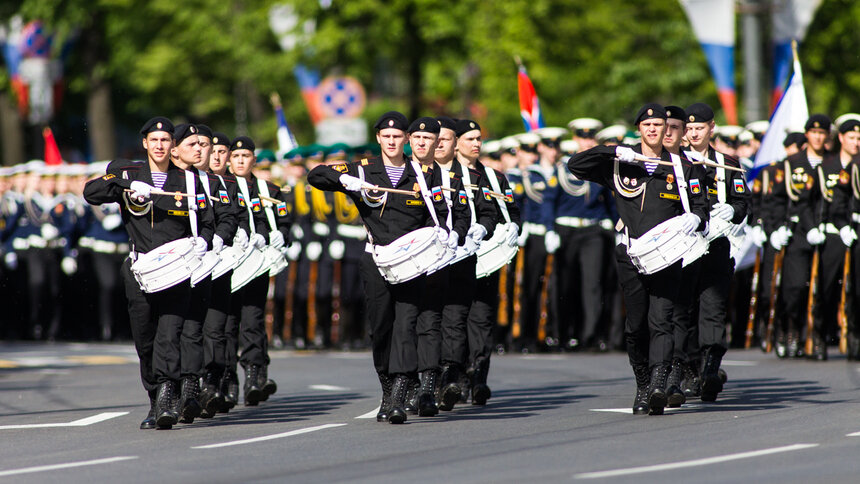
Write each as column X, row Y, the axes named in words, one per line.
column 529, row 103
column 790, row 19
column 309, row 80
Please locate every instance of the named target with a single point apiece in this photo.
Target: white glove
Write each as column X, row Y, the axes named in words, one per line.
column 258, row 241
column 779, row 238
column 336, row 249
column 552, row 241
column 477, row 232
column 240, row 240
column 513, row 235
column 625, row 154
column 217, row 244
column 276, row 239
column 294, row 250
column 453, row 240
column 69, row 265
column 321, row 229
column 723, row 211
column 523, row 238
column 200, row 246
column 314, row 250
column 848, row 235
column 815, row 236
column 141, row 189
column 297, row 232
column 442, row 234
column 352, row 183
column 49, row 232
column 111, row 221
column 758, row 236
column 11, row 260
column 689, row 223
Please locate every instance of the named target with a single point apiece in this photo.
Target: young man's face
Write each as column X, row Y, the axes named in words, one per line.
column 188, row 151
column 205, row 152
column 241, row 162
column 218, row 159
column 469, row 144
column 652, row 131
column 423, row 146
column 445, row 145
column 675, row 130
column 391, row 141
column 850, row 141
column 157, row 145
column 699, row 134
column 816, row 137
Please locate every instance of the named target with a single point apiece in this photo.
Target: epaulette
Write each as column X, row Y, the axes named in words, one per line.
column 425, row 168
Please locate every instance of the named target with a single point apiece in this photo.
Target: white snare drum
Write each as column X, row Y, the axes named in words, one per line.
column 717, row 228
column 495, row 253
column 166, row 265
column 273, row 260
column 662, row 246
column 463, row 251
column 409, row 256
column 697, row 250
column 207, row 264
column 247, row 269
column 231, row 256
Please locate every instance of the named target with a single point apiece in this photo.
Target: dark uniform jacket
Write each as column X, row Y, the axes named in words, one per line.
column 845, row 196
column 801, row 194
column 737, row 193
column 229, row 216
column 505, row 188
column 461, row 213
column 256, row 207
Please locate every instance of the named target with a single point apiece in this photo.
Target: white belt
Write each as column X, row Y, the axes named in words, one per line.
column 607, row 224
column 20, row 244
column 103, row 246
column 534, row 229
column 794, row 218
column 352, row 231
column 37, row 242
column 576, row 222
column 831, row 229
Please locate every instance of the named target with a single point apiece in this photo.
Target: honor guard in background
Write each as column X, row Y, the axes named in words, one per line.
column 584, row 131
column 509, row 304
column 646, row 196
column 14, row 250
column 151, row 221
column 10, row 199
column 321, row 263
column 800, row 233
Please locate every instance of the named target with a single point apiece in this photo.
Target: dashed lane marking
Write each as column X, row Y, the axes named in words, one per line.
column 692, row 463
column 269, row 437
column 738, row 363
column 67, row 465
column 370, row 414
column 328, row 388
column 629, row 410
column 77, row 423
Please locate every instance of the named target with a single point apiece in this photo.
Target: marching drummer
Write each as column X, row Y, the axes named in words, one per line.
column 391, row 308
column 151, row 221
column 647, row 194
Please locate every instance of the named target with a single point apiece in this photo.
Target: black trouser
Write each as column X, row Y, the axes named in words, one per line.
column 392, row 311
column 192, row 330
column 715, row 280
column 215, row 326
column 794, row 287
column 482, row 317
column 231, row 331
column 457, row 297
column 106, row 268
column 252, row 325
column 156, row 326
column 43, row 286
column 685, row 330
column 830, row 268
column 649, row 300
column 279, row 300
column 765, row 276
column 533, row 276
column 579, row 273
column 429, row 326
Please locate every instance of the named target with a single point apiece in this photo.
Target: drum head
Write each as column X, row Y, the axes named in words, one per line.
column 244, row 273
column 207, row 264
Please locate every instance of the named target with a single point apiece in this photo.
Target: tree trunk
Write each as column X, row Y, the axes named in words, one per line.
column 11, row 131
column 100, row 124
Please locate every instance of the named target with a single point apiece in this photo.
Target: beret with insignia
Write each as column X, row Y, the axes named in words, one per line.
column 158, row 123
column 650, row 111
column 425, row 124
column 204, row 130
column 220, row 139
column 463, row 126
column 676, row 112
column 794, row 139
column 242, row 143
column 699, row 113
column 392, row 119
column 183, row 131
column 447, row 123
column 818, row 121
column 850, row 125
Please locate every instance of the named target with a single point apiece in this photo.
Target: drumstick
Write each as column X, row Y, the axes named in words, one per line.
column 717, row 165
column 475, row 188
column 392, row 190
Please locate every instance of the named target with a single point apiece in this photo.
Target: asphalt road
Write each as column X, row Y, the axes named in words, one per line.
column 70, row 412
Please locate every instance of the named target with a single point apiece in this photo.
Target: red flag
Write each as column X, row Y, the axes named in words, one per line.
column 52, row 152
column 529, row 104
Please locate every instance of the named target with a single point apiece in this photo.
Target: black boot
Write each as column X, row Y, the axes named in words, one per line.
column 397, row 415
column 253, row 393
column 692, row 383
column 480, row 391
column 149, row 421
column 229, row 389
column 411, row 404
column 794, row 348
column 189, row 405
column 711, row 383
column 450, row 392
column 465, row 383
column 165, row 414
column 211, row 398
column 675, row 395
column 267, row 385
column 643, row 380
column 427, row 396
column 385, row 404
column 819, row 348
column 657, row 398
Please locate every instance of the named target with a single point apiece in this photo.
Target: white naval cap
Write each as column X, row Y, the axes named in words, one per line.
column 569, row 146
column 585, row 126
column 758, row 127
column 613, row 132
column 491, row 146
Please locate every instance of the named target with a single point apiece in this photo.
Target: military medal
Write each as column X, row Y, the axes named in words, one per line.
column 178, row 199
column 669, row 179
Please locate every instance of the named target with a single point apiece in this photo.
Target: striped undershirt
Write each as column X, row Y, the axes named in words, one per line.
column 158, row 179
column 814, row 161
column 394, row 174
column 650, row 166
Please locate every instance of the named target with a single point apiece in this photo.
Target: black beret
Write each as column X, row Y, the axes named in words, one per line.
column 183, row 131
column 242, row 143
column 204, row 130
column 425, row 124
column 850, row 125
column 157, row 123
column 463, row 126
column 699, row 113
column 794, row 139
column 818, row 121
column 392, row 119
column 676, row 112
column 220, row 139
column 650, row 111
column 446, row 122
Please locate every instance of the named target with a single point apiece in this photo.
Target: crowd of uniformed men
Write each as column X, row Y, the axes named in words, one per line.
column 578, row 198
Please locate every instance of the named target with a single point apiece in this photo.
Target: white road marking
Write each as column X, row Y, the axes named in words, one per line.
column 853, row 434
column 53, row 467
column 370, row 414
column 738, row 363
column 629, row 410
column 328, row 388
column 77, row 423
column 269, row 437
column 692, row 463
column 543, row 357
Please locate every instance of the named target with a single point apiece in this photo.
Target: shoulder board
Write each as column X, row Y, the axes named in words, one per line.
column 451, row 174
column 364, row 162
column 425, row 168
column 341, row 167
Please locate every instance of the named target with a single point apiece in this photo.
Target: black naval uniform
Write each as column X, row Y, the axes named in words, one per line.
column 649, row 299
column 156, row 318
column 769, row 215
column 845, row 212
